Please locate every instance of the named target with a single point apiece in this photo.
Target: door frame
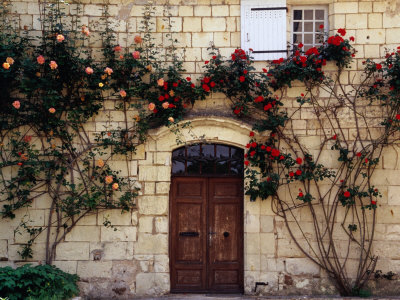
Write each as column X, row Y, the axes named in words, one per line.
column 241, row 234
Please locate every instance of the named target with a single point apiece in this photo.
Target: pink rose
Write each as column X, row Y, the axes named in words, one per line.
column 16, row 104
column 136, row 55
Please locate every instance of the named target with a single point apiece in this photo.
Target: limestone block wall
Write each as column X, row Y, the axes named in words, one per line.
column 134, row 260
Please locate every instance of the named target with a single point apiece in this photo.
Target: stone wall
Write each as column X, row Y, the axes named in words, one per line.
column 134, row 259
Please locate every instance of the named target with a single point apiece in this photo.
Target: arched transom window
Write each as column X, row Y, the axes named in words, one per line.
column 207, row 160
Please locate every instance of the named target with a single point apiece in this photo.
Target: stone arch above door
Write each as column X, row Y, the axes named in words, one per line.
column 212, row 130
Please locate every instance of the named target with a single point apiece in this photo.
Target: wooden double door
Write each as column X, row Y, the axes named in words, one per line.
column 206, row 234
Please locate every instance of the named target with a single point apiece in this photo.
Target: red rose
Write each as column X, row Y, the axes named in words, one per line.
column 301, row 195
column 347, row 194
column 245, row 156
column 206, row 62
column 188, row 78
column 281, row 157
column 206, row 79
column 269, row 149
column 161, row 98
column 251, row 133
column 246, row 162
column 358, row 154
column 298, row 172
column 253, row 144
column 262, row 147
column 291, row 174
column 366, row 160
column 321, row 26
column 212, row 83
column 19, row 164
column 398, row 117
column 259, row 99
column 342, row 31
column 352, row 38
column 242, row 78
column 334, row 137
column 252, row 153
column 248, row 146
column 299, row 160
column 206, row 87
column 192, row 85
column 373, row 202
column 275, row 152
column 214, row 57
column 245, row 72
column 175, row 84
column 378, row 66
column 300, row 45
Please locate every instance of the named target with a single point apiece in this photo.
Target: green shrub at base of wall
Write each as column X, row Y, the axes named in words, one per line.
column 39, row 282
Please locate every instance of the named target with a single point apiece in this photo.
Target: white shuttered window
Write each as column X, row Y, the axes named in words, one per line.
column 263, row 28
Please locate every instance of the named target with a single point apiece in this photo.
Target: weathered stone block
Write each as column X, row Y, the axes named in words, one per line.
column 161, row 224
column 73, row 251
column 267, row 244
column 202, row 11
column 161, row 263
column 66, row 266
column 83, row 233
column 152, row 284
column 185, row 11
column 192, row 24
column 151, row 244
column 123, row 233
column 213, row 24
column 90, row 269
column 153, row 205
column 146, row 224
column 3, row 250
column 301, row 266
column 345, row 8
column 357, row 21
column 220, row 10
column 115, row 216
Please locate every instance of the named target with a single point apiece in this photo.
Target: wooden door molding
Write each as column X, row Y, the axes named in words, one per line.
column 206, row 234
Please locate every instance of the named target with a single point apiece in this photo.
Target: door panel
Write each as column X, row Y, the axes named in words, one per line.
column 206, row 234
column 226, row 246
column 188, row 236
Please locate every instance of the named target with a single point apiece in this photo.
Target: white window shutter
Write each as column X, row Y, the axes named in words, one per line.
column 263, row 28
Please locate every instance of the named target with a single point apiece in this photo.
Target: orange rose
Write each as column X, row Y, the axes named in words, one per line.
column 109, row 179
column 89, row 70
column 100, row 163
column 60, row 38
column 40, row 59
column 115, row 186
column 53, row 65
column 52, row 110
column 171, row 119
column 160, row 82
column 10, row 60
column 122, row 93
column 152, row 106
column 165, row 105
column 108, row 70
column 138, row 39
column 6, row 65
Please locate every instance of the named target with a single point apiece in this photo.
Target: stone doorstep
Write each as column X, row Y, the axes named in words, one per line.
column 249, row 297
